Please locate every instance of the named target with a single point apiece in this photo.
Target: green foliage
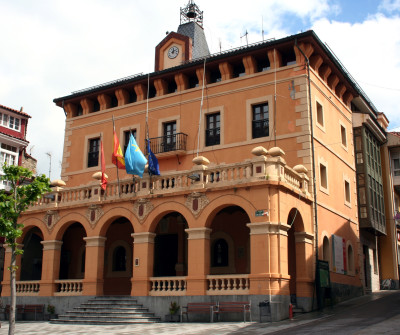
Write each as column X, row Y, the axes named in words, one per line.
column 173, row 307
column 25, row 190
column 51, row 309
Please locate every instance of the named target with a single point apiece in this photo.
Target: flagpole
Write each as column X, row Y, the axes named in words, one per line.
column 147, row 131
column 201, row 107
column 116, row 166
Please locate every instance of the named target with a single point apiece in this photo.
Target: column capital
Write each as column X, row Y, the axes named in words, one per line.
column 198, row 233
column 260, row 228
column 95, row 241
column 304, row 237
column 7, row 247
column 143, row 237
column 52, row 245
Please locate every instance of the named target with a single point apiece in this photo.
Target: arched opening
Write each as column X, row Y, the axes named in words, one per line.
column 326, row 251
column 71, row 252
column 230, row 242
column 295, row 252
column 170, row 246
column 350, row 259
column 31, row 261
column 118, row 257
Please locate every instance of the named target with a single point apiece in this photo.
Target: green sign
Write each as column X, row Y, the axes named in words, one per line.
column 262, row 212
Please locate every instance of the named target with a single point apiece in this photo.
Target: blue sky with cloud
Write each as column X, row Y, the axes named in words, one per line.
column 53, row 47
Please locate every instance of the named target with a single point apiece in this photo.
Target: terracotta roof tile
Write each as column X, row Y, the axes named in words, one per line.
column 18, row 138
column 15, row 111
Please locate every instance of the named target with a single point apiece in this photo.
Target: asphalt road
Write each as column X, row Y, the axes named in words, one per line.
column 381, row 316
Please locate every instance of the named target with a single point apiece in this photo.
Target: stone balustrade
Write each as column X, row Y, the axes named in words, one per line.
column 265, row 166
column 228, row 284
column 28, row 287
column 167, row 286
column 71, row 287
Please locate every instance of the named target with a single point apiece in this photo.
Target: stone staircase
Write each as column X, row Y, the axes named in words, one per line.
column 108, row 310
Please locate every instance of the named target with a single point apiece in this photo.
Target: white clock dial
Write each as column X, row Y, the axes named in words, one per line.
column 173, row 52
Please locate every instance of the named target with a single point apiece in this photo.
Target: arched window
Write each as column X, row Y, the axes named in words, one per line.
column 325, row 249
column 119, row 259
column 220, row 254
column 350, row 259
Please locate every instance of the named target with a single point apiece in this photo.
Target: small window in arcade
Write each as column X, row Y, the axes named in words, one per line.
column 114, row 101
column 288, row 57
column 220, row 253
column 238, row 70
column 119, row 259
column 172, row 87
column 263, row 64
column 127, row 136
column 96, row 105
column 215, row 76
column 132, row 96
column 79, row 110
column 152, row 91
column 193, row 81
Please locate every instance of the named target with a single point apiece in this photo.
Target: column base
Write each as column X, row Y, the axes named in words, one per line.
column 196, row 286
column 140, row 287
column 93, row 287
column 47, row 289
column 269, row 284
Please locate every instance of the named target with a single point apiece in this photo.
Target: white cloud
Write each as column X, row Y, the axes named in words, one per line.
column 390, row 5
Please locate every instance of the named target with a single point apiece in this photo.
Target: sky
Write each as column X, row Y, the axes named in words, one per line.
column 50, row 48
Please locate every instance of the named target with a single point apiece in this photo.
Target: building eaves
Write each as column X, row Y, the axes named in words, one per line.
column 225, row 54
column 15, row 111
column 17, row 138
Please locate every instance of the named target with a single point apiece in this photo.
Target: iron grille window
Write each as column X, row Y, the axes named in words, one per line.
column 169, row 136
column 93, row 154
column 213, row 130
column 260, row 120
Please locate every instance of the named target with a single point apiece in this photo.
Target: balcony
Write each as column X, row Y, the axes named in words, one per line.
column 168, row 145
column 256, row 170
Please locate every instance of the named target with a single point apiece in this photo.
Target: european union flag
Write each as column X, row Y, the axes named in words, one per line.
column 154, row 168
column 134, row 158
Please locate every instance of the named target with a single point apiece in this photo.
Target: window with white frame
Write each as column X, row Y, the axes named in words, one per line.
column 10, row 121
column 8, row 156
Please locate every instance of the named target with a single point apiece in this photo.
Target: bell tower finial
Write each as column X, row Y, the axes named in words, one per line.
column 191, row 13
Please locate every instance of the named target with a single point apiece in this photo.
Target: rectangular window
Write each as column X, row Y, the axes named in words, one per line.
column 126, row 137
column 347, row 191
column 343, row 135
column 93, row 154
column 323, row 176
column 260, row 120
column 169, row 140
column 396, row 166
column 213, row 130
column 5, row 120
column 320, row 114
column 16, row 124
column 9, row 121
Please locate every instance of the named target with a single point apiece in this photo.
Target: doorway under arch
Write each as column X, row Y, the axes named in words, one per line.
column 31, row 261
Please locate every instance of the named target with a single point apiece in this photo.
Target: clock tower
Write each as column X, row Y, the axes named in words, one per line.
column 189, row 42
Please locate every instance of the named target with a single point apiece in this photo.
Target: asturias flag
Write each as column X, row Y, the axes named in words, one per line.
column 118, row 156
column 154, row 168
column 134, row 158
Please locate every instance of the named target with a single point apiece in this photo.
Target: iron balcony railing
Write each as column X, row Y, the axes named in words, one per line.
column 175, row 142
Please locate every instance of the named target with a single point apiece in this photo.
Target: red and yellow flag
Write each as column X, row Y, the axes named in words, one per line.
column 103, row 169
column 117, row 156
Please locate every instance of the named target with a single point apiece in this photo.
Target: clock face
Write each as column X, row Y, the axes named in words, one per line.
column 173, row 52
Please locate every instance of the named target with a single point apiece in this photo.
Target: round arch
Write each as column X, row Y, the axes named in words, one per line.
column 31, row 259
column 29, row 224
column 218, row 204
column 63, row 224
column 113, row 214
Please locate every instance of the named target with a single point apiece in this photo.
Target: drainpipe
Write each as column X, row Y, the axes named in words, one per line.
column 314, row 179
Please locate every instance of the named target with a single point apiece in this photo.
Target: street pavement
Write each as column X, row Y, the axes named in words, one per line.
column 376, row 313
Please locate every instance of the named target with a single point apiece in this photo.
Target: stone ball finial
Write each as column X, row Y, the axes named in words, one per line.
column 276, row 151
column 259, row 151
column 200, row 160
column 58, row 183
column 97, row 175
column 300, row 169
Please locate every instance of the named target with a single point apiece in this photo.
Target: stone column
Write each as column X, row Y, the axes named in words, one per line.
column 198, row 260
column 143, row 262
column 51, row 268
column 268, row 249
column 6, row 288
column 304, row 264
column 94, row 265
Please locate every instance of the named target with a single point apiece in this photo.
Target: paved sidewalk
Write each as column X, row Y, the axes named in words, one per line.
column 216, row 328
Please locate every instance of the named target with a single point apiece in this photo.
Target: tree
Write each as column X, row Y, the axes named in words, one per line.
column 24, row 191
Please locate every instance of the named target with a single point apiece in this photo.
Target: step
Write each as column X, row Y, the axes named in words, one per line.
column 102, row 322
column 111, row 314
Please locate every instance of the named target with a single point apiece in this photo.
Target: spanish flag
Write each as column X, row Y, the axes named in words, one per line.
column 117, row 156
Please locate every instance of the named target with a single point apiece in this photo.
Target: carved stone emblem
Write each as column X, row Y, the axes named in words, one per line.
column 142, row 208
column 50, row 219
column 196, row 202
column 93, row 214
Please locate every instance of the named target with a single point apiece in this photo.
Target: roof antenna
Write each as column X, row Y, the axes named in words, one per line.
column 262, row 27
column 245, row 34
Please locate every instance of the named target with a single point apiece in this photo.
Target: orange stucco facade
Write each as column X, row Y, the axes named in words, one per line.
column 248, row 224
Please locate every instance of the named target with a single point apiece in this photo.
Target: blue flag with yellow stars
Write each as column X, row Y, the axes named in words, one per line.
column 154, row 168
column 134, row 158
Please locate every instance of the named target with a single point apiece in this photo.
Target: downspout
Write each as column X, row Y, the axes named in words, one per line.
column 313, row 163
